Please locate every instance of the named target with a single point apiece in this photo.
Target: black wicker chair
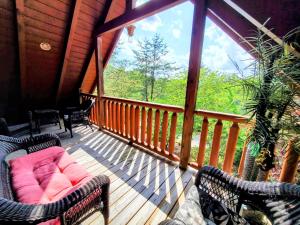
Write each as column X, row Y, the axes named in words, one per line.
column 279, row 202
column 78, row 115
column 16, row 130
column 70, row 209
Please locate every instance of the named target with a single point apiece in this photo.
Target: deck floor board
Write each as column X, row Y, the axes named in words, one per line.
column 145, row 189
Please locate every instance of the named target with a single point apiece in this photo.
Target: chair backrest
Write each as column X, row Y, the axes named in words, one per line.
column 4, row 128
column 279, row 201
column 87, row 105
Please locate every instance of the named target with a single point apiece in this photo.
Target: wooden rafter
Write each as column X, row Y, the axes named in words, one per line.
column 22, row 47
column 101, row 21
column 148, row 9
column 200, row 9
column 67, row 51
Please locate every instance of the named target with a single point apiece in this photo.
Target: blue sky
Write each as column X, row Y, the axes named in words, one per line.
column 175, row 26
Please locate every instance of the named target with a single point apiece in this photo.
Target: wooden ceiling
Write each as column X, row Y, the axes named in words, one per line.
column 38, row 78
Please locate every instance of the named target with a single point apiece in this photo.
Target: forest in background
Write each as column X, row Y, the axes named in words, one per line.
column 152, row 77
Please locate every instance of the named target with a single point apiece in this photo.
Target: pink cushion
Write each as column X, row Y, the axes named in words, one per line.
column 46, row 176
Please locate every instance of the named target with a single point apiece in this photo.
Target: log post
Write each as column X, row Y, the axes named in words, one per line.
column 216, row 143
column 100, row 84
column 290, row 164
column 231, row 147
column 202, row 143
column 200, row 8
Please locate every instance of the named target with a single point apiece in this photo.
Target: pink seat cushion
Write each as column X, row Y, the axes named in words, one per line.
column 46, row 176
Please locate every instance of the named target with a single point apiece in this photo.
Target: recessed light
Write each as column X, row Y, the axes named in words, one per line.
column 45, row 46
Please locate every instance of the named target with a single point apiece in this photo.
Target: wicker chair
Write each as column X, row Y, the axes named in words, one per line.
column 81, row 114
column 70, row 209
column 280, row 202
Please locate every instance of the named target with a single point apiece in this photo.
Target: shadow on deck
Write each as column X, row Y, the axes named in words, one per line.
column 145, row 189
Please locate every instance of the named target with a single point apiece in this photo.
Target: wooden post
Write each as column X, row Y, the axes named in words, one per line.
column 100, row 84
column 202, row 143
column 231, row 147
column 172, row 134
column 216, row 143
column 193, row 79
column 290, row 164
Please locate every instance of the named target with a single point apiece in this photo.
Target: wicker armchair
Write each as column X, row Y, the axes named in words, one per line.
column 280, row 202
column 81, row 114
column 70, row 209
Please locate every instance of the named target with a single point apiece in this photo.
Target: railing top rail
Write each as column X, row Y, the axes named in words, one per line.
column 222, row 116
column 171, row 108
column 89, row 95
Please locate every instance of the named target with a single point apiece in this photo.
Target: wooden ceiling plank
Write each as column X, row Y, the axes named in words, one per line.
column 74, row 22
column 148, row 9
column 22, row 46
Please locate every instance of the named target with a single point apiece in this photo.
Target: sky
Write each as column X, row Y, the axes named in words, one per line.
column 174, row 26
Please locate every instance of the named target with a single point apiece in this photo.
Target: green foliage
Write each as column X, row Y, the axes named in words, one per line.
column 151, row 60
column 217, row 91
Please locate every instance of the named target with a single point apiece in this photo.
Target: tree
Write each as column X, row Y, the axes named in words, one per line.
column 151, row 60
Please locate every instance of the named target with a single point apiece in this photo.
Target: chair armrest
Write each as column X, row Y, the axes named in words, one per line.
column 41, row 142
column 12, row 211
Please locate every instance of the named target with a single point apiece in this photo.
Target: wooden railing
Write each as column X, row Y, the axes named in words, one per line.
column 150, row 125
column 232, row 139
column 153, row 126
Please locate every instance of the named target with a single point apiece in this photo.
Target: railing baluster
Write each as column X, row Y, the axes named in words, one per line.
column 114, row 117
column 106, row 115
column 132, row 119
column 149, row 127
column 156, row 129
column 111, row 115
column 127, row 120
column 122, row 119
column 172, row 134
column 164, row 132
column 118, row 117
column 214, row 155
column 137, row 124
column 230, row 147
column 143, row 126
column 202, row 143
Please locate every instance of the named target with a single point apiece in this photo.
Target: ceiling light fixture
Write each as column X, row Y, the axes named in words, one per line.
column 45, row 46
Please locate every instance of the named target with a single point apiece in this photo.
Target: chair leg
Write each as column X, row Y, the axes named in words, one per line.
column 71, row 132
column 105, row 197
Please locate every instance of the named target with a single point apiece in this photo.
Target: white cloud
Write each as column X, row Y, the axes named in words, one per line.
column 176, row 33
column 151, row 23
column 215, row 57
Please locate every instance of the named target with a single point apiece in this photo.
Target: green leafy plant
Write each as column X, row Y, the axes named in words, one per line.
column 272, row 90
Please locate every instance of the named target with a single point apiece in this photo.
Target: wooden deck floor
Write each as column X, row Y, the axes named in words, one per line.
column 144, row 189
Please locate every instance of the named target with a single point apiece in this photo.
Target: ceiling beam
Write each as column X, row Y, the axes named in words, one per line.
column 67, row 50
column 101, row 21
column 22, row 47
column 148, row 9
